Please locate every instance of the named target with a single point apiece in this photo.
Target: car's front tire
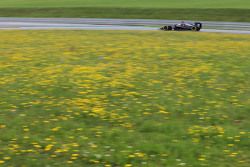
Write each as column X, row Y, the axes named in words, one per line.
column 169, row 28
column 166, row 28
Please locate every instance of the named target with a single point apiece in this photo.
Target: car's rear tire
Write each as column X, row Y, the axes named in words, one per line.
column 198, row 29
column 194, row 28
column 198, row 25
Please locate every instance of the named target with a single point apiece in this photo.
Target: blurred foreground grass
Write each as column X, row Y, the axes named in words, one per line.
column 124, row 98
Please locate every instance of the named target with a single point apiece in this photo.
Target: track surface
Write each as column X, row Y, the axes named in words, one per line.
column 113, row 24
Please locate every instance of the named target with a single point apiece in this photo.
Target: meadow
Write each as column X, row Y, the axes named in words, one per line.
column 240, row 4
column 217, row 10
column 124, row 98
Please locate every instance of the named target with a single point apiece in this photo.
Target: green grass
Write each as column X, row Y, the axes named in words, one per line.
column 240, row 4
column 220, row 10
column 240, row 15
column 114, row 98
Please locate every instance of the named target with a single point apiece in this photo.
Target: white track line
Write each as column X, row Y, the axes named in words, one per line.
column 109, row 24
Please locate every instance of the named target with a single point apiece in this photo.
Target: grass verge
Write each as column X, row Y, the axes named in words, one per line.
column 235, row 4
column 237, row 15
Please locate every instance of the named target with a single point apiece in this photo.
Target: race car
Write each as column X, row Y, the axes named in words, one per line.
column 183, row 27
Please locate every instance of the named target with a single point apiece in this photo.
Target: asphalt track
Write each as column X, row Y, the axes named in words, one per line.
column 113, row 24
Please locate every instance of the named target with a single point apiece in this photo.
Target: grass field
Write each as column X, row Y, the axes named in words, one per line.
column 240, row 4
column 220, row 10
column 120, row 98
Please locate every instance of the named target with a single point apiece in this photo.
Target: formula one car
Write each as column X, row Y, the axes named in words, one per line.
column 183, row 27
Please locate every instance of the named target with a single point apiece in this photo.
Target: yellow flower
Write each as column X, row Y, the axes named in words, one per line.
column 2, row 126
column 26, row 129
column 139, row 154
column 163, row 112
column 55, row 129
column 128, row 165
column 131, row 156
column 48, row 147
column 7, row 158
column 37, row 146
column 107, row 165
